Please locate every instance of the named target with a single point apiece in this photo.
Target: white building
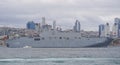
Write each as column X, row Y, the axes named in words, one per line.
column 43, row 21
column 115, row 30
column 104, row 30
column 54, row 25
column 107, row 30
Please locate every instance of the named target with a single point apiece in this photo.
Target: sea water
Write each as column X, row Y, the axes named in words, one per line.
column 60, row 56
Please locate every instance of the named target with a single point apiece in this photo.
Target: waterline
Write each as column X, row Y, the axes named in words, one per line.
column 57, row 59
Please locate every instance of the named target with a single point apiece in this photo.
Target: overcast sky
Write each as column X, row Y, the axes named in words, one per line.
column 90, row 13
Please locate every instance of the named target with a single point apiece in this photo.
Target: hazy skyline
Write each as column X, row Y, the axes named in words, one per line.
column 90, row 13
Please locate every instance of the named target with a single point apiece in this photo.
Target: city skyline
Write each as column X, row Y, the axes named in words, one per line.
column 17, row 13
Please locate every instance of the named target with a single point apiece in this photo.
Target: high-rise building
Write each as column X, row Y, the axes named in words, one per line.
column 54, row 25
column 101, row 30
column 31, row 25
column 77, row 26
column 107, row 30
column 115, row 30
column 117, row 21
column 104, row 30
column 43, row 21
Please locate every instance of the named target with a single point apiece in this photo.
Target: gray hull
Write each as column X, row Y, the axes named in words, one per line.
column 55, row 43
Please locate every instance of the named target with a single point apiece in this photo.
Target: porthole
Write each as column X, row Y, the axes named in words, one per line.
column 67, row 38
column 60, row 37
column 43, row 38
column 75, row 37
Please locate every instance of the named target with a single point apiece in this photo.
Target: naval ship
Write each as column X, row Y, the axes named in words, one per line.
column 56, row 38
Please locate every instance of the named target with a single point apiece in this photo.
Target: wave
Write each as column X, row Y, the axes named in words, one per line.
column 55, row 59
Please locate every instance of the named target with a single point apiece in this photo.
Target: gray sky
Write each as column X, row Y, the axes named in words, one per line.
column 91, row 13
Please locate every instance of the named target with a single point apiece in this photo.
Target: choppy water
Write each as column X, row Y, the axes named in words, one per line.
column 60, row 56
column 62, row 61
